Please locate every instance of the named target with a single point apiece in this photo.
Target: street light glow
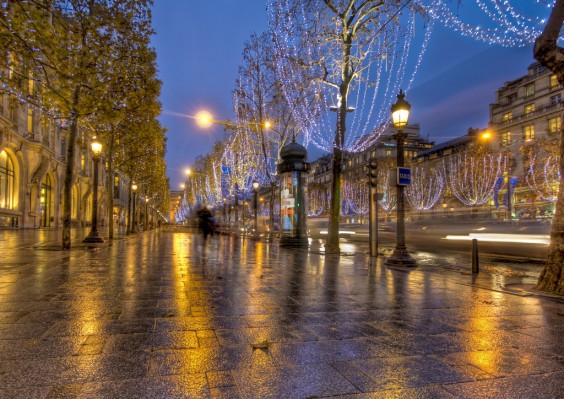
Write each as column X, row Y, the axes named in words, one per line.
column 486, row 135
column 204, row 119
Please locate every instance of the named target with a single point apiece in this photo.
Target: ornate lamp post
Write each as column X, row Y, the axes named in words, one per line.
column 400, row 115
column 94, row 235
column 255, row 204
column 134, row 217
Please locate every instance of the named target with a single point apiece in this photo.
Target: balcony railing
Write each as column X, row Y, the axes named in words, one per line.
column 531, row 115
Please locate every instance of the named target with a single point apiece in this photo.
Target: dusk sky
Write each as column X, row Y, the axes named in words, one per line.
column 199, row 46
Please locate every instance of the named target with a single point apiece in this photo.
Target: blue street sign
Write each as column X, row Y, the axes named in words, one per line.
column 404, row 176
column 226, row 170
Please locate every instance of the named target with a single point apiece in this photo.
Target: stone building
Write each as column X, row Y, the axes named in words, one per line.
column 32, row 166
column 527, row 111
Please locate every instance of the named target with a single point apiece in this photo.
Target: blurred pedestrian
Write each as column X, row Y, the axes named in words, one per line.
column 206, row 221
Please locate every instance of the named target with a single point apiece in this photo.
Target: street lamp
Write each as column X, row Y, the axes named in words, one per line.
column 400, row 116
column 133, row 219
column 94, row 235
column 255, row 204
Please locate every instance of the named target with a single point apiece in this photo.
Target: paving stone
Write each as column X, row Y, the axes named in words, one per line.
column 160, row 315
column 305, row 381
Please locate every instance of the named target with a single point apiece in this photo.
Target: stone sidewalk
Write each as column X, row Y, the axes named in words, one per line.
column 164, row 314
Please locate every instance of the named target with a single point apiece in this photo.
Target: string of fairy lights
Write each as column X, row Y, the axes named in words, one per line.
column 471, row 178
column 427, row 187
column 542, row 175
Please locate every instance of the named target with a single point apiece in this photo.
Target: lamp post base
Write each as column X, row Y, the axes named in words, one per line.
column 400, row 258
column 93, row 237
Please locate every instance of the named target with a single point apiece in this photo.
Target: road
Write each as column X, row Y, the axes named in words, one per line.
column 518, row 240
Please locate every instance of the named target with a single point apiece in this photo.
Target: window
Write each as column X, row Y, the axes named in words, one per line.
column 13, row 111
column 30, row 121
column 31, row 84
column 529, row 108
column 529, row 89
column 554, row 125
column 388, row 152
column 506, row 138
column 554, row 82
column 7, row 182
column 555, row 99
column 529, row 132
column 116, row 187
column 507, row 116
column 82, row 161
column 63, row 147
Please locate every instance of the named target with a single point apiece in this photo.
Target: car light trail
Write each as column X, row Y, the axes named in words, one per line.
column 517, row 238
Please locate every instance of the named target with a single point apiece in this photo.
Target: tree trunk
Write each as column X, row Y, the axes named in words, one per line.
column 552, row 277
column 69, row 171
column 332, row 243
column 550, row 55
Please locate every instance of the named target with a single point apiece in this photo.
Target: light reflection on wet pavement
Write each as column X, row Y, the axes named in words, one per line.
column 167, row 315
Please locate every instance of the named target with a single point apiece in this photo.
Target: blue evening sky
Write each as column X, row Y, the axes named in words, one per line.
column 199, row 46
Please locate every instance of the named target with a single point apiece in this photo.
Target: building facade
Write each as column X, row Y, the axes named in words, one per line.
column 525, row 122
column 33, row 152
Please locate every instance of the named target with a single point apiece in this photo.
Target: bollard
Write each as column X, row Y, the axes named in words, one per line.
column 475, row 260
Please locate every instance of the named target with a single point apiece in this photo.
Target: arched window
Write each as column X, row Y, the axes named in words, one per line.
column 7, row 182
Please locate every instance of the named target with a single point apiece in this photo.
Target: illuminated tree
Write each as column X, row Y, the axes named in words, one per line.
column 427, row 186
column 262, row 112
column 389, row 193
column 551, row 55
column 541, row 168
column 349, row 48
column 356, row 192
column 317, row 199
column 471, row 175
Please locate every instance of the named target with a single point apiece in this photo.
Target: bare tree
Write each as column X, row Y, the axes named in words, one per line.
column 551, row 55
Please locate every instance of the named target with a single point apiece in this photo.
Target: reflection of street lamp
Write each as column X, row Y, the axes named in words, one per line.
column 400, row 116
column 445, row 206
column 94, row 235
column 255, row 204
column 146, row 223
column 133, row 219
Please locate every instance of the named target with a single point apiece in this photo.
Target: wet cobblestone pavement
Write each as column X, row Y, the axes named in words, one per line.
column 166, row 315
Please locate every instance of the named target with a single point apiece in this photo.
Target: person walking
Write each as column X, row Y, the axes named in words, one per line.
column 206, row 221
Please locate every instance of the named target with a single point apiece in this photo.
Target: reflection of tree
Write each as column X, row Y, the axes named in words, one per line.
column 427, row 185
column 541, row 168
column 471, row 175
